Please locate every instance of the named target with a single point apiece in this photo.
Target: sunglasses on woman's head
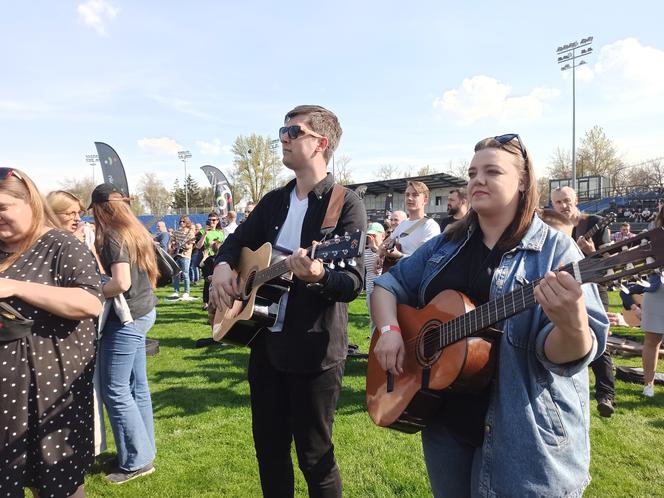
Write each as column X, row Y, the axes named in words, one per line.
column 7, row 172
column 295, row 131
column 503, row 139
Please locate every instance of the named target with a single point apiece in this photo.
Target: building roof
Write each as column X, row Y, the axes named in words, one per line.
column 437, row 180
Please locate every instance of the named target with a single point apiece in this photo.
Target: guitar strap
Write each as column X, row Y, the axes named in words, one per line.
column 333, row 210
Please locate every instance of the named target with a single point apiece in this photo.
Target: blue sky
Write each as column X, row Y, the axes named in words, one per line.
column 412, row 83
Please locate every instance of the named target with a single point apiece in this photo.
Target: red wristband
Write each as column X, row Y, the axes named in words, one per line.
column 388, row 328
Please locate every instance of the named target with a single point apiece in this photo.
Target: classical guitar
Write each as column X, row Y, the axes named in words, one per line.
column 262, row 290
column 449, row 343
column 600, row 225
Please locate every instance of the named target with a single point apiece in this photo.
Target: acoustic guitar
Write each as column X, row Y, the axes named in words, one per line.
column 262, row 286
column 449, row 345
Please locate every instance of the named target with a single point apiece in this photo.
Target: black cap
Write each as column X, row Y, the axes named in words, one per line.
column 102, row 192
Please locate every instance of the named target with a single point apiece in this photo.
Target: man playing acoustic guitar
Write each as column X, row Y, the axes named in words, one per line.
column 296, row 366
column 564, row 201
column 411, row 233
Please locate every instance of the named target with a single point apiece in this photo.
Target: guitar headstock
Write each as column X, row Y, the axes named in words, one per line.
column 340, row 249
column 637, row 255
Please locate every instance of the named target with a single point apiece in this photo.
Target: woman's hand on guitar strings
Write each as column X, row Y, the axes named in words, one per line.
column 390, row 352
column 561, row 298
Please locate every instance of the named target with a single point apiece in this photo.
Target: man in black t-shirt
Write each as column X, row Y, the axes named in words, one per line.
column 565, row 202
column 457, row 207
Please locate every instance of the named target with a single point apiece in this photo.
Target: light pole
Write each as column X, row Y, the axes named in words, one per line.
column 567, row 54
column 92, row 160
column 273, row 147
column 183, row 155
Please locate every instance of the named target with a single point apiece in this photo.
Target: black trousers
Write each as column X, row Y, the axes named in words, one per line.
column 604, row 379
column 299, row 406
column 603, row 366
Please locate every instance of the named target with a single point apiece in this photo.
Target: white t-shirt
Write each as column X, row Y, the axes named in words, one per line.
column 229, row 229
column 409, row 243
column 289, row 239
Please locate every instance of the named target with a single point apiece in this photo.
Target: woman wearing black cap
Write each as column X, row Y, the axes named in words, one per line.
column 127, row 255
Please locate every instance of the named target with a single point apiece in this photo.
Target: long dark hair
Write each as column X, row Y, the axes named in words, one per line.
column 528, row 199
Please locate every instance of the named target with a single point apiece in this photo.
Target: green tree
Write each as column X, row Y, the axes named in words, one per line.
column 597, row 155
column 256, row 166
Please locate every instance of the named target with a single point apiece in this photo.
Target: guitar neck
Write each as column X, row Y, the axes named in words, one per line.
column 488, row 314
column 271, row 272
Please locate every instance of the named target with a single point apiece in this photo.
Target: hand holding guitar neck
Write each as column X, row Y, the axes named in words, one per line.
column 305, row 268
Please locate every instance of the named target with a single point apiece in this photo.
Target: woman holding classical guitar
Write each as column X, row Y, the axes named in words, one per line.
column 524, row 431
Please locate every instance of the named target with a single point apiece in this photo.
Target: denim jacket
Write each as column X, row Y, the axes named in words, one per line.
column 536, row 429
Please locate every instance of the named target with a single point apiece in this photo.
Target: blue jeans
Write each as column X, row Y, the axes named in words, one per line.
column 453, row 466
column 194, row 269
column 183, row 263
column 125, row 391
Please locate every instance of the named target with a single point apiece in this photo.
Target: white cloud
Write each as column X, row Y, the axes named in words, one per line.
column 162, row 145
column 96, row 13
column 481, row 97
column 214, row 148
column 630, row 71
column 25, row 106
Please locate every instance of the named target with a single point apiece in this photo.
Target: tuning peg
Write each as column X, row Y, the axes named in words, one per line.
column 623, row 288
column 610, row 272
column 629, row 266
column 650, row 260
column 341, row 264
column 642, row 282
column 330, row 265
column 351, row 262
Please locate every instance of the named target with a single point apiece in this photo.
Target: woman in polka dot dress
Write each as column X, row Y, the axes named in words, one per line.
column 46, row 438
column 127, row 255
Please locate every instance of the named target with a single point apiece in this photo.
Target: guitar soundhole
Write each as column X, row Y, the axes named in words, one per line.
column 429, row 344
column 249, row 284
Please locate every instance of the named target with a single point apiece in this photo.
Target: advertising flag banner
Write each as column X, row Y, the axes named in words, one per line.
column 223, row 198
column 112, row 168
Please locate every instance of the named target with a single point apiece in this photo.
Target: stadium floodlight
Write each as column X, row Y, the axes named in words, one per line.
column 92, row 160
column 568, row 53
column 183, row 155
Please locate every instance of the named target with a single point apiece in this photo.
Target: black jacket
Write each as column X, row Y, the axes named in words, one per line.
column 314, row 335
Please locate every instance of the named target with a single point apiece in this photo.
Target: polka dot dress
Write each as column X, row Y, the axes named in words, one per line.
column 46, row 412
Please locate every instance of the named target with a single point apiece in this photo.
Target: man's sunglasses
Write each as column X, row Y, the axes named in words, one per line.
column 503, row 139
column 7, row 172
column 295, row 131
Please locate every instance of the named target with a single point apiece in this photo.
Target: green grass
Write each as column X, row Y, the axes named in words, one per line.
column 205, row 448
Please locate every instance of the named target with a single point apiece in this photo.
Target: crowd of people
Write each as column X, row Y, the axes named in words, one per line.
column 84, row 301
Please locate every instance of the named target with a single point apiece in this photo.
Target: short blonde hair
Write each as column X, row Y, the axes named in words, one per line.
column 60, row 200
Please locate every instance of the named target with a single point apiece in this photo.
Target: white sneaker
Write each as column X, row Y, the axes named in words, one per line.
column 649, row 390
column 175, row 295
column 186, row 297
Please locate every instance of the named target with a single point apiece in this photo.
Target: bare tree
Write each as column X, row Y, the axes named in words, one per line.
column 458, row 168
column 80, row 187
column 648, row 174
column 257, row 167
column 342, row 173
column 387, row 172
column 560, row 165
column 154, row 194
column 425, row 170
column 543, row 189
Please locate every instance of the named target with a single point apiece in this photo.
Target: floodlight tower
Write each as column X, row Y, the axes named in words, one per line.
column 92, row 160
column 567, row 54
column 183, row 155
